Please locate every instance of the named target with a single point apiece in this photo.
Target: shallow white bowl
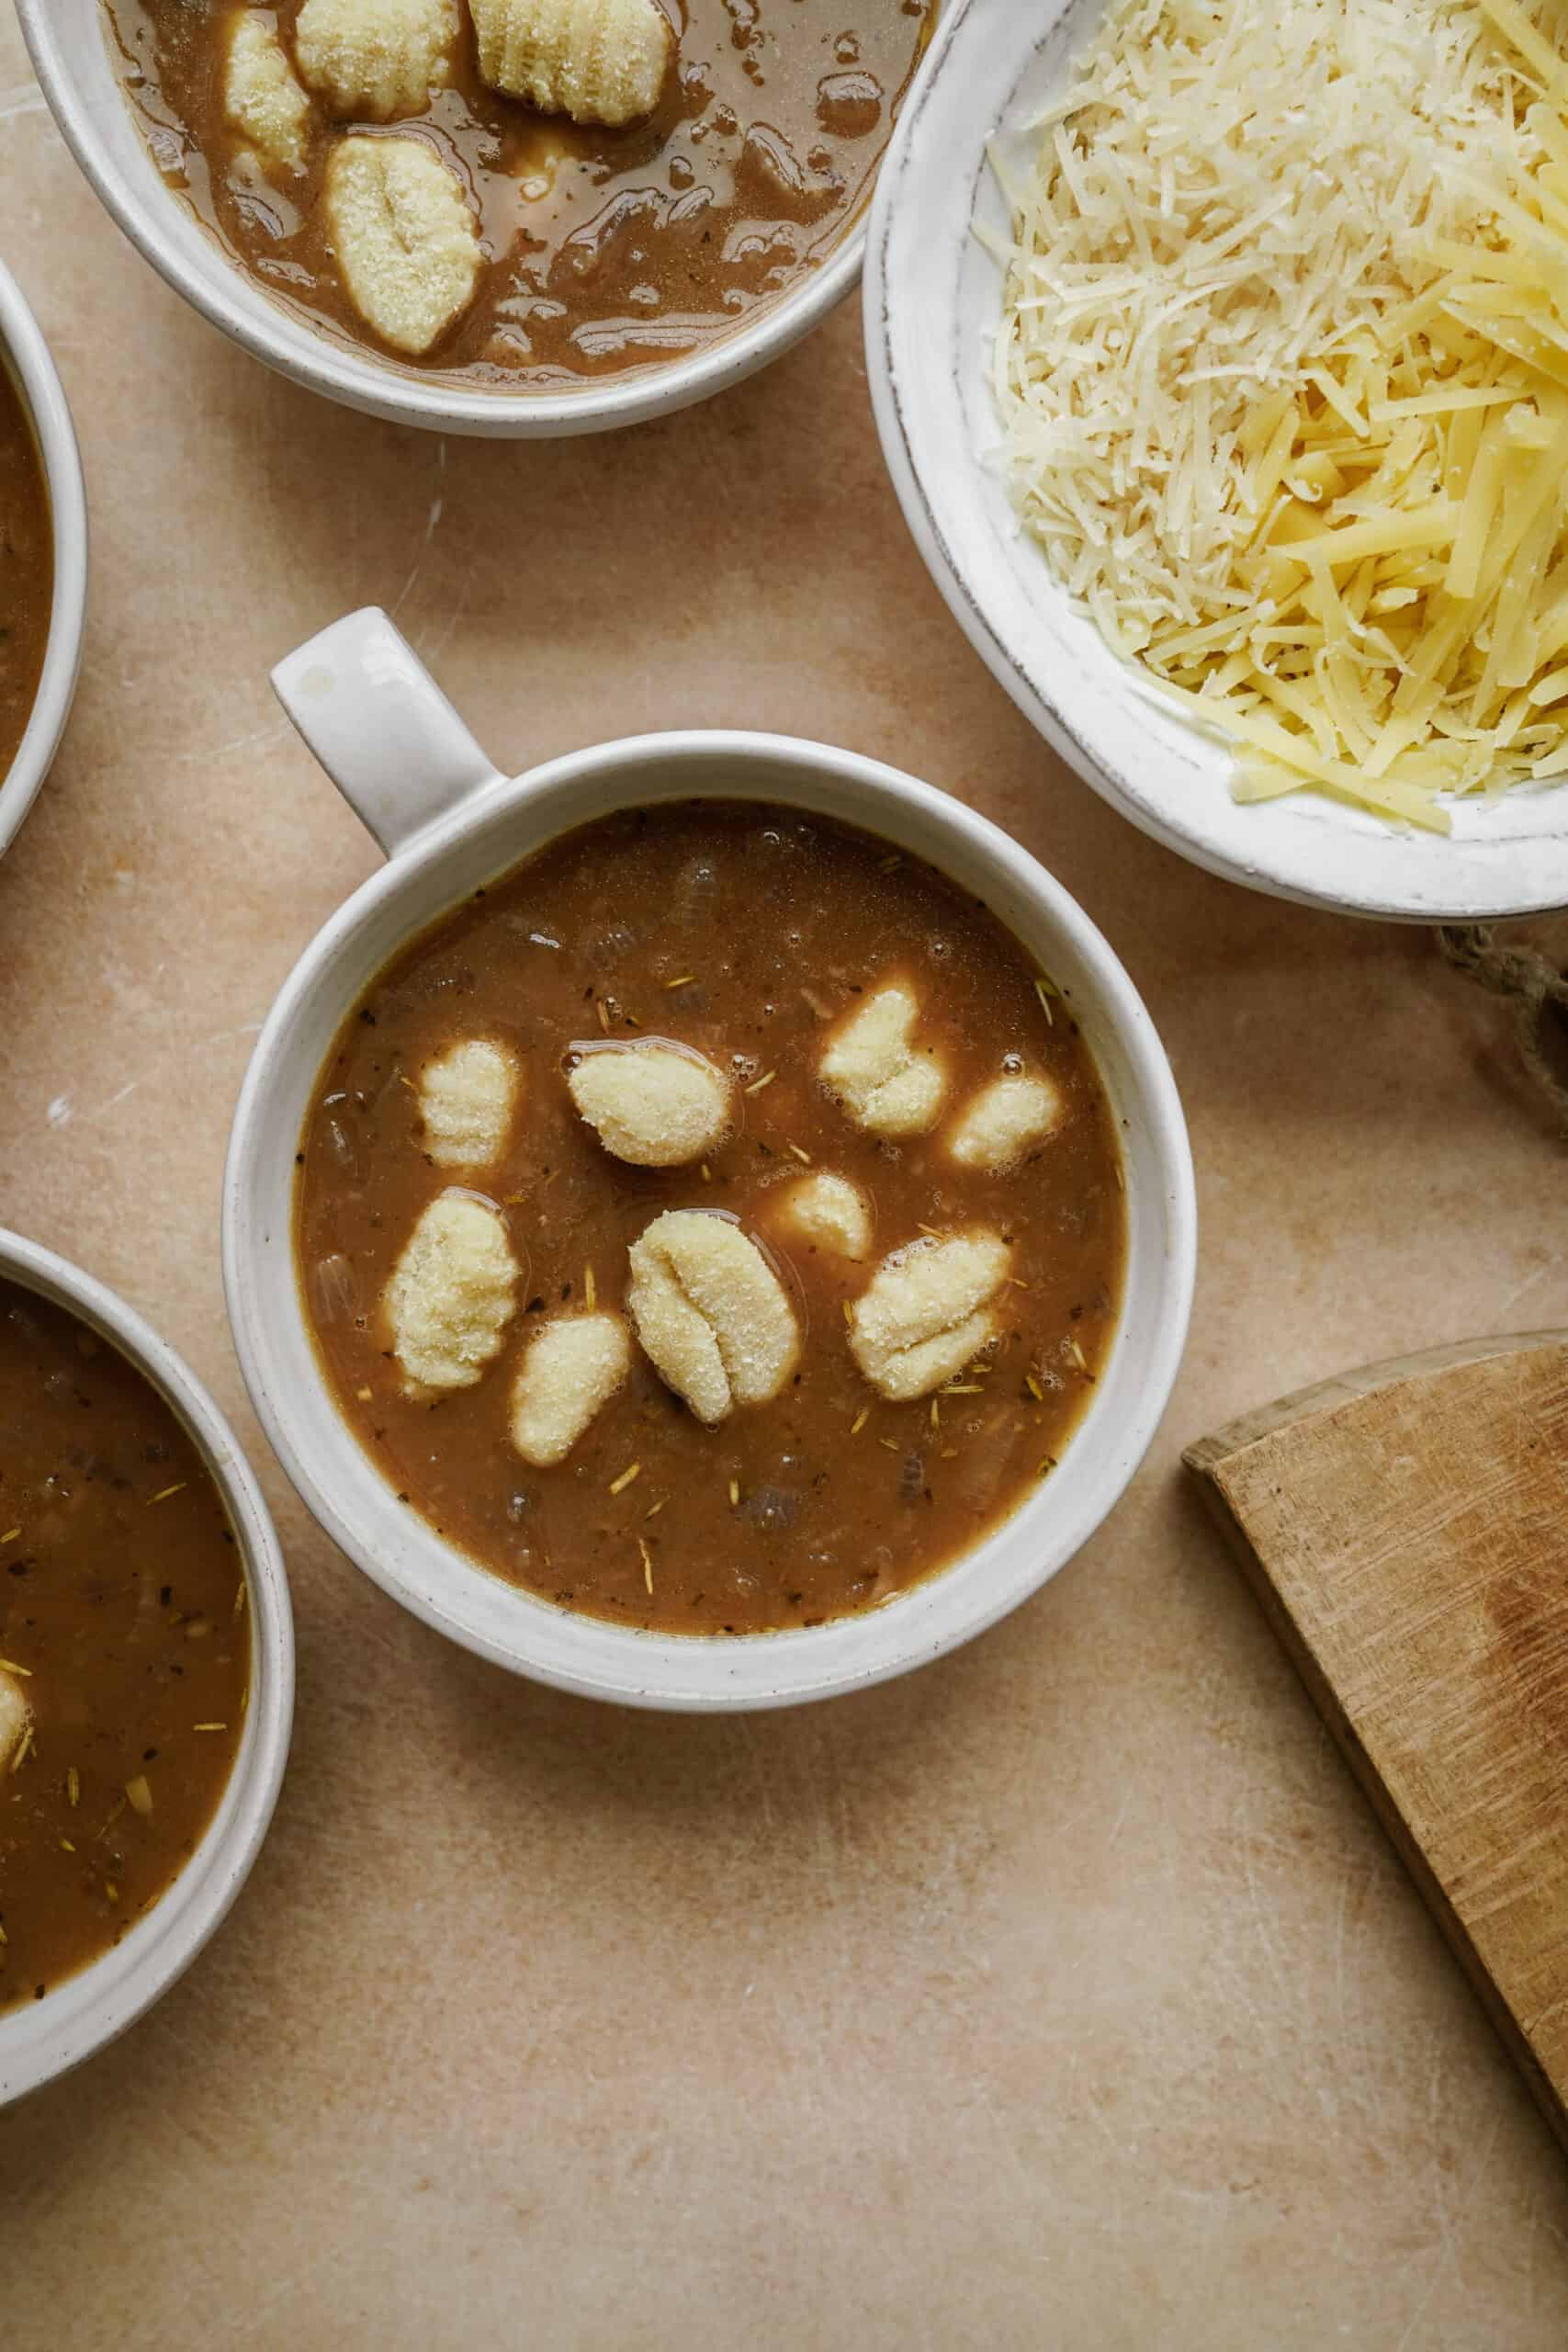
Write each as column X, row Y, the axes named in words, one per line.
column 70, row 54
column 451, row 822
column 932, row 302
column 24, row 351
column 46, row 2038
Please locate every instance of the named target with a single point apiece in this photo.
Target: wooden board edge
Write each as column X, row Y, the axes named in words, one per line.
column 1206, row 1453
column 1346, row 1738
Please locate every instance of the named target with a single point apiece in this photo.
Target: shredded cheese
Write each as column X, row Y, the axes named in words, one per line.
column 1283, row 379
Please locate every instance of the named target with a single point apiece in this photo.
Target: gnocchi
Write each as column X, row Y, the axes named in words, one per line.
column 872, row 1064
column 597, row 61
column 15, row 1716
column 407, row 248
column 830, row 1213
column 451, row 1294
column 927, row 1312
column 262, row 97
column 468, row 1098
column 711, row 1314
column 654, row 1105
column 997, row 1126
column 373, row 61
column 572, row 1367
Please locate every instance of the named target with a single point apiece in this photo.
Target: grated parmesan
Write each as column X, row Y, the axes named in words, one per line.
column 1283, row 378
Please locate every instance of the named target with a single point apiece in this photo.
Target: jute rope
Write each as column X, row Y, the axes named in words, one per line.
column 1536, row 990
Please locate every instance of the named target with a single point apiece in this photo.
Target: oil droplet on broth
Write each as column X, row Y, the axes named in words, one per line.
column 848, row 105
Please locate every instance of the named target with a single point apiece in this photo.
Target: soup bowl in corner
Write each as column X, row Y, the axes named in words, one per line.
column 450, row 823
column 69, row 44
column 43, row 2039
column 25, row 356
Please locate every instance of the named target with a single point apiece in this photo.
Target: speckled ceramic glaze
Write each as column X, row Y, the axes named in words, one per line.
column 46, row 2038
column 66, row 40
column 932, row 302
column 24, row 352
column 449, row 822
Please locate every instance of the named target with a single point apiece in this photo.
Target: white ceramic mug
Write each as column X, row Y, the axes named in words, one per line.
column 26, row 354
column 449, row 822
column 69, row 52
column 78, row 2016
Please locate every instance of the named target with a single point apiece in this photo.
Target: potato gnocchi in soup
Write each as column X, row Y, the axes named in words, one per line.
column 706, row 1273
column 523, row 192
column 125, row 1645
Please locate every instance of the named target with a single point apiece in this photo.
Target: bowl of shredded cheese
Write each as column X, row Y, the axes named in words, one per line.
column 1220, row 355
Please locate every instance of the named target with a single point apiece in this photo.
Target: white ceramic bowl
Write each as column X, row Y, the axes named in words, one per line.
column 70, row 54
column 46, row 2038
column 932, row 302
column 450, row 822
column 24, row 353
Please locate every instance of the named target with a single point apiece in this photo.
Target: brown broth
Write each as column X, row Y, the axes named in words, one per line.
column 607, row 250
column 27, row 571
column 842, row 1499
column 121, row 1600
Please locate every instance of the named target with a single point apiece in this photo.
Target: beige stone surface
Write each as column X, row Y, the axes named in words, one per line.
column 1065, row 1996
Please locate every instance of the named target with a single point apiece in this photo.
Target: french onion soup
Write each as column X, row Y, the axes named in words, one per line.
column 124, row 1645
column 27, row 571
column 715, row 1224
column 523, row 192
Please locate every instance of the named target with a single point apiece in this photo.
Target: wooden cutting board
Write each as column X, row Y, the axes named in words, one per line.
column 1407, row 1528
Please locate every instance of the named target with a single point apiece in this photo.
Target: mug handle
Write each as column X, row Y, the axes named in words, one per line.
column 381, row 727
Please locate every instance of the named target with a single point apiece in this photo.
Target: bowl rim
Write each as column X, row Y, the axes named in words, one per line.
column 32, row 368
column 1305, row 851
column 651, row 1670
column 86, row 2011
column 376, row 387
